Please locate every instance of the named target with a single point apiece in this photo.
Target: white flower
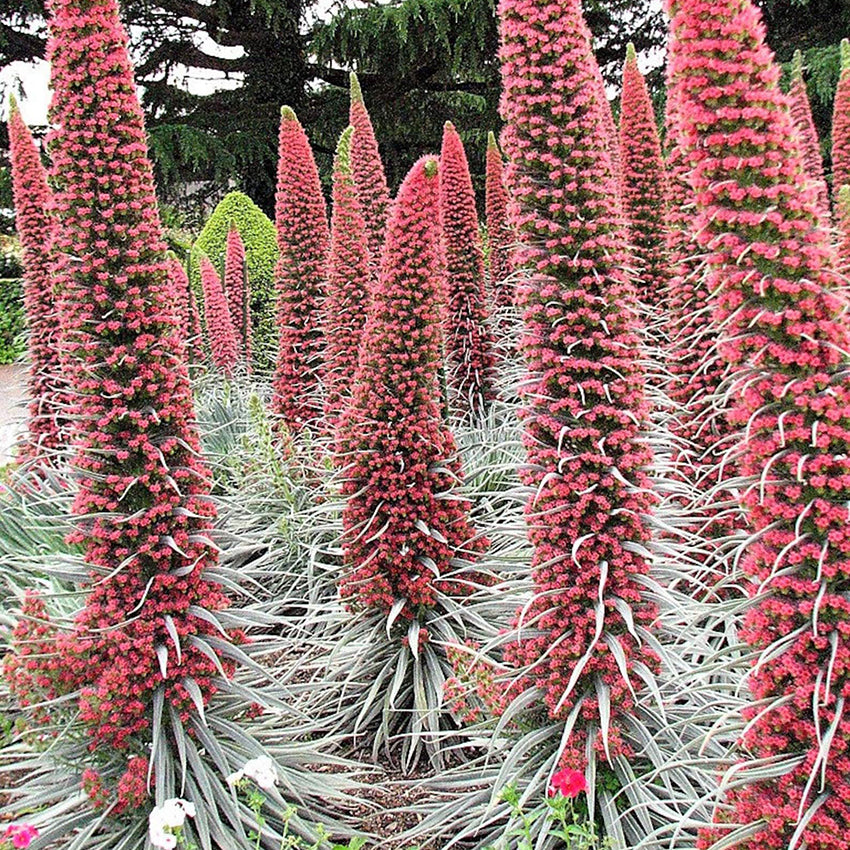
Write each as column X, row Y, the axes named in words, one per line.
column 235, row 778
column 169, row 816
column 262, row 770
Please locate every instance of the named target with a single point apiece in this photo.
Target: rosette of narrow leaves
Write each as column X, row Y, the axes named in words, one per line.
column 370, row 179
column 643, row 183
column 841, row 124
column 304, row 240
column 407, row 542
column 236, row 290
column 468, row 342
column 348, row 286
column 583, row 390
column 35, row 227
column 804, row 123
column 499, row 236
column 223, row 340
column 772, row 281
column 149, row 657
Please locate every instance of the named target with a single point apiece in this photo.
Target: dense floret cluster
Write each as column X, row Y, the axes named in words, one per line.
column 772, row 279
column 584, row 401
column 468, row 341
column 407, row 533
column 236, row 289
column 224, row 343
column 304, row 242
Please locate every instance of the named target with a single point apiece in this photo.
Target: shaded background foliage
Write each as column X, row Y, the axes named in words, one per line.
column 420, row 62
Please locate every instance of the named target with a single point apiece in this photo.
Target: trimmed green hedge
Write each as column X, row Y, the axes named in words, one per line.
column 12, row 320
column 260, row 238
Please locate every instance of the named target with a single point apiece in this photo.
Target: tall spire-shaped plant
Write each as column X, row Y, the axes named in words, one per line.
column 394, row 439
column 36, row 230
column 224, row 345
column 468, row 343
column 584, row 401
column 841, row 124
column 772, row 279
column 499, row 236
column 186, row 312
column 842, row 217
column 804, row 123
column 408, row 541
column 237, row 292
column 349, row 278
column 369, row 177
column 304, row 241
column 643, row 182
column 143, row 504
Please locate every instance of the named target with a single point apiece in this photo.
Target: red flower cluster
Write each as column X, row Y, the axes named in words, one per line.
column 304, row 240
column 20, row 835
column 643, row 183
column 237, row 292
column 841, row 124
column 477, row 689
column 186, row 312
column 468, row 343
column 499, row 235
column 35, row 227
column 771, row 278
column 349, row 279
column 407, row 535
column 224, row 344
column 804, row 124
column 584, row 387
column 370, row 180
column 567, row 783
column 142, row 508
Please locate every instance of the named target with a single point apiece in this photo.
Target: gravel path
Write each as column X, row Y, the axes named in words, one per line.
column 12, row 408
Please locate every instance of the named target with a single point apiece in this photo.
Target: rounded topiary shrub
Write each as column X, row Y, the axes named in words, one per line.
column 258, row 233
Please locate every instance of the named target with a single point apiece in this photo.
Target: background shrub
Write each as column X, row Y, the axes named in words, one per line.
column 258, row 234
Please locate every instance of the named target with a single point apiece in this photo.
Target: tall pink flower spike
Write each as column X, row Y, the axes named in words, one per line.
column 772, row 279
column 36, row 229
column 584, row 401
column 841, row 124
column 643, row 183
column 500, row 238
column 143, row 508
column 349, row 282
column 370, row 180
column 402, row 535
column 304, row 240
column 468, row 341
column 804, row 123
column 224, row 343
column 236, row 289
column 186, row 312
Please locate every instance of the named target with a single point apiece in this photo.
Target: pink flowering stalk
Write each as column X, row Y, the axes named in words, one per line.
column 772, row 281
column 841, row 124
column 36, row 228
column 238, row 295
column 369, row 177
column 349, row 279
column 842, row 215
column 583, row 390
column 804, row 123
column 224, row 344
column 186, row 312
column 643, row 183
column 499, row 236
column 402, row 534
column 142, row 508
column 468, row 342
column 304, row 240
